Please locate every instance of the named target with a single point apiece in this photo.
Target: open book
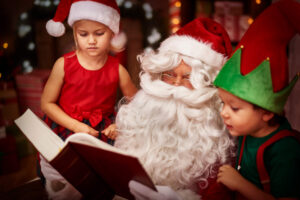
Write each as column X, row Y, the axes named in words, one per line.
column 95, row 168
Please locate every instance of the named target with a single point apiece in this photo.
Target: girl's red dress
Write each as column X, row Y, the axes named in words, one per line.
column 88, row 95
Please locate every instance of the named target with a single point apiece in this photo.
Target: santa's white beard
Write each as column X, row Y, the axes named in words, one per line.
column 177, row 133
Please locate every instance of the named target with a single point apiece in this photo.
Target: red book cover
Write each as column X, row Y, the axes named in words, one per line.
column 95, row 168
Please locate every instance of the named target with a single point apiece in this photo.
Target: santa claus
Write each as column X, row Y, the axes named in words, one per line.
column 173, row 124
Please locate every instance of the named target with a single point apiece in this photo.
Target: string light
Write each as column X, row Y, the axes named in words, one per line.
column 155, row 36
column 174, row 29
column 5, row 45
column 178, row 4
column 24, row 16
column 148, row 11
column 128, row 4
column 44, row 3
column 175, row 21
column 31, row 46
column 250, row 20
column 258, row 2
column 174, row 10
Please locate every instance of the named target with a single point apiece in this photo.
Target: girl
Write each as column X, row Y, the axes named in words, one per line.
column 80, row 93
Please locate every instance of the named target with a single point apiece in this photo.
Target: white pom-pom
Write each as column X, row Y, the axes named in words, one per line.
column 119, row 40
column 55, row 29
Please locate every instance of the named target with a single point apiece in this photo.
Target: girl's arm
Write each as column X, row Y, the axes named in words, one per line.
column 127, row 87
column 231, row 178
column 49, row 99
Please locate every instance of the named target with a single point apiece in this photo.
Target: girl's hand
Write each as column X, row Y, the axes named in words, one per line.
column 80, row 127
column 111, row 131
column 230, row 177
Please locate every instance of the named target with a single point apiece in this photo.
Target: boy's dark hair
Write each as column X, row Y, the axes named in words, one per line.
column 275, row 120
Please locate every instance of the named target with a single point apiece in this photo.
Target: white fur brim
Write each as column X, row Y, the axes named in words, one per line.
column 55, row 29
column 187, row 45
column 94, row 11
column 119, row 40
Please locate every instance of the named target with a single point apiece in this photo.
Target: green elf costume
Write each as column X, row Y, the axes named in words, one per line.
column 257, row 72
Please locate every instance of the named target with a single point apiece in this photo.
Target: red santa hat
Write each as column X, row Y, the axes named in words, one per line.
column 103, row 11
column 202, row 39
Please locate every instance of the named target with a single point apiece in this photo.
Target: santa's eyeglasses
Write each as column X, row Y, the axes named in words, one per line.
column 172, row 78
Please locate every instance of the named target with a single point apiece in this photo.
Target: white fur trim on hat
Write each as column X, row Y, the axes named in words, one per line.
column 55, row 29
column 188, row 46
column 95, row 11
column 119, row 40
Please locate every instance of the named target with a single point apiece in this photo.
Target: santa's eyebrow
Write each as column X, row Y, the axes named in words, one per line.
column 169, row 71
column 172, row 71
column 186, row 75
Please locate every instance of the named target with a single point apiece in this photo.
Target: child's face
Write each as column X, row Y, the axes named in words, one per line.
column 179, row 76
column 240, row 117
column 92, row 37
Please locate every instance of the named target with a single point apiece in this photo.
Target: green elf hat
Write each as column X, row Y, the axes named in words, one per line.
column 257, row 72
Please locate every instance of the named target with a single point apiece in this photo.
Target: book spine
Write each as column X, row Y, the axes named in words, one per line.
column 77, row 172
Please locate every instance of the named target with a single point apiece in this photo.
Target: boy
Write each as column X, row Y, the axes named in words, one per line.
column 253, row 86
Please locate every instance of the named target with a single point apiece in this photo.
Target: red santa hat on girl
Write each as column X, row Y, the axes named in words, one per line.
column 106, row 12
column 202, row 39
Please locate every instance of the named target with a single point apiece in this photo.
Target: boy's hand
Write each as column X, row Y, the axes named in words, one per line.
column 230, row 177
column 84, row 128
column 111, row 131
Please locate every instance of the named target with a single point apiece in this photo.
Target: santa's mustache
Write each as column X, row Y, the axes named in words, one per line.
column 193, row 98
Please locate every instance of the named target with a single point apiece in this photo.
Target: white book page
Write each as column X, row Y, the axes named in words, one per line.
column 40, row 135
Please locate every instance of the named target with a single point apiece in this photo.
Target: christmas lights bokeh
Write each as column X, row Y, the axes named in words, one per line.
column 154, row 30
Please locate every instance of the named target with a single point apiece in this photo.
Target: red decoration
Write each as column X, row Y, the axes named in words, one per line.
column 30, row 87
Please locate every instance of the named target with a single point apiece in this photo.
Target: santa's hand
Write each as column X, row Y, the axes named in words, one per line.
column 142, row 192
